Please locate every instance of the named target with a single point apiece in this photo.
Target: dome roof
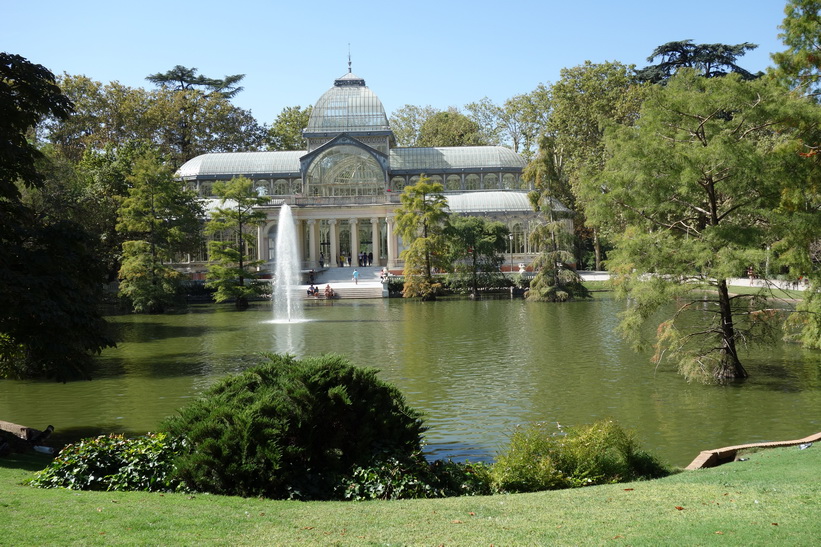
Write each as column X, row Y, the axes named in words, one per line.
column 349, row 106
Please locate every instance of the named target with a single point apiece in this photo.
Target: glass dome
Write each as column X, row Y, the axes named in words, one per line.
column 349, row 106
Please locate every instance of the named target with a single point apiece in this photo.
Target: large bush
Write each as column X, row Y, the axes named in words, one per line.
column 541, row 458
column 113, row 462
column 293, row 428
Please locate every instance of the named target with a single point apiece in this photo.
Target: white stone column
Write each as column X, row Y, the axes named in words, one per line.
column 354, row 241
column 377, row 240
column 391, row 245
column 262, row 244
column 313, row 244
column 333, row 236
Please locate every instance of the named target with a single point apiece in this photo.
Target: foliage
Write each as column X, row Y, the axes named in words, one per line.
column 583, row 103
column 421, row 221
column 799, row 66
column 159, row 219
column 516, row 123
column 28, row 93
column 51, row 276
column 475, row 245
column 292, row 428
column 181, row 122
column 286, row 132
column 691, row 195
column 450, row 128
column 114, row 463
column 182, row 78
column 555, row 280
column 406, row 123
column 711, row 60
column 804, row 325
column 394, row 478
column 230, row 251
column 538, row 458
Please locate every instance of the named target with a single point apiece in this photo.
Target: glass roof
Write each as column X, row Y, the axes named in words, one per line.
column 256, row 164
column 493, row 201
column 348, row 106
column 455, row 158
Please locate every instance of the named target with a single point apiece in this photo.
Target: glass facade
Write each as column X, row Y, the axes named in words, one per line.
column 345, row 171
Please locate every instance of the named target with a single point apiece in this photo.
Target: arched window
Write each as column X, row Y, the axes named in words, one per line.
column 519, row 239
column 281, row 187
column 509, row 181
column 398, row 184
column 472, row 182
column 453, row 183
column 345, row 170
column 490, row 181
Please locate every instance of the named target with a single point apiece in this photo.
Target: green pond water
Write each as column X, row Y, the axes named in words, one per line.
column 475, row 368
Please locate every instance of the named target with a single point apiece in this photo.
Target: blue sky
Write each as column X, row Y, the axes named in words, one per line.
column 445, row 53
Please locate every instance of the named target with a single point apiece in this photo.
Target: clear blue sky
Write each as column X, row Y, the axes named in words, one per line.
column 445, row 53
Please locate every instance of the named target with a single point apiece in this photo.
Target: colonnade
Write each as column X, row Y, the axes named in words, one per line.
column 326, row 248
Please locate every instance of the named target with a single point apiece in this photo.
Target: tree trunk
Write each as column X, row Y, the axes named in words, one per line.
column 731, row 367
column 597, row 249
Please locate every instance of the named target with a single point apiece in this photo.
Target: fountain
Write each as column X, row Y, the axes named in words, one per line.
column 287, row 300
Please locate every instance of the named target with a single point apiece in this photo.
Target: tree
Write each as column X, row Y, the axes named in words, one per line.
column 230, row 251
column 406, row 123
column 197, row 116
column 450, row 128
column 286, row 133
column 690, row 194
column 555, row 280
column 488, row 116
column 180, row 123
column 476, row 245
column 49, row 322
column 710, row 60
column 585, row 100
column 182, row 78
column 421, row 221
column 799, row 66
column 161, row 220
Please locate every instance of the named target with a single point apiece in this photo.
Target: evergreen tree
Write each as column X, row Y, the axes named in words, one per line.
column 160, row 220
column 421, row 221
column 691, row 194
column 230, row 250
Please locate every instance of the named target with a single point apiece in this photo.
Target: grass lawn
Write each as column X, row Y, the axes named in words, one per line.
column 772, row 499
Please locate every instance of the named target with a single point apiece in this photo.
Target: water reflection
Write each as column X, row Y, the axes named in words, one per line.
column 475, row 368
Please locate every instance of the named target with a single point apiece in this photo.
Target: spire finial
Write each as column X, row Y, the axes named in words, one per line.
column 349, row 58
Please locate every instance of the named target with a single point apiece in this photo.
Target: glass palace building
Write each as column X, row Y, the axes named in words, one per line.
column 344, row 188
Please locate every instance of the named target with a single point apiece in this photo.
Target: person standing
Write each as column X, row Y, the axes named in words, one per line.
column 356, row 277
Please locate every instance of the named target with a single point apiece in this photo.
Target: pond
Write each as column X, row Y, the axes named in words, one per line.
column 474, row 368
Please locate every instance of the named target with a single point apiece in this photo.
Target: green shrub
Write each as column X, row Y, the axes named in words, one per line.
column 394, row 478
column 114, row 463
column 292, row 429
column 539, row 458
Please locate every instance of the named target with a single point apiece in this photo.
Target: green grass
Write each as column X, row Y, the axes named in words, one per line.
column 772, row 499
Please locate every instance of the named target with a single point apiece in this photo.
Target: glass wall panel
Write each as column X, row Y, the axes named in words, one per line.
column 509, row 181
column 454, row 182
column 472, row 182
column 490, row 181
column 398, row 184
column 281, row 187
column 345, row 171
column 518, row 232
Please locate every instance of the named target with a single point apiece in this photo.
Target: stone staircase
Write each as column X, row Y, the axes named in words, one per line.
column 341, row 281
